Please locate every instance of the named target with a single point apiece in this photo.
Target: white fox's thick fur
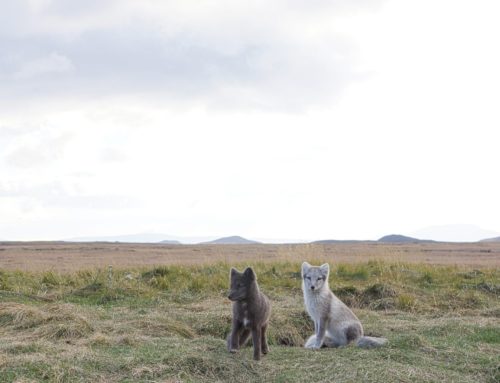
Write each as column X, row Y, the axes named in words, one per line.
column 335, row 324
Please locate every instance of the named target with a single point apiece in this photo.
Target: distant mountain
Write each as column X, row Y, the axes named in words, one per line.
column 455, row 233
column 495, row 239
column 169, row 242
column 234, row 240
column 397, row 238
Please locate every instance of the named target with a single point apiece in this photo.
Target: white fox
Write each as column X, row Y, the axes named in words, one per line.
column 335, row 324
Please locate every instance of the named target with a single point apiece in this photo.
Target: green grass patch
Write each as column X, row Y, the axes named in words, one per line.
column 169, row 323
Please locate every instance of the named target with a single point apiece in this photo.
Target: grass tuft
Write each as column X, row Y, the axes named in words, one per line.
column 53, row 322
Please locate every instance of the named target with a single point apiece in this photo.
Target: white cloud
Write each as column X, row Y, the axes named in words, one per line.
column 310, row 120
column 250, row 55
column 54, row 63
column 36, row 151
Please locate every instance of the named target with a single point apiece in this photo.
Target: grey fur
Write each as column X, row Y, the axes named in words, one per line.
column 335, row 324
column 251, row 312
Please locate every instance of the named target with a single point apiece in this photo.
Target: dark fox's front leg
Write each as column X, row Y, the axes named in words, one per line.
column 264, row 346
column 233, row 343
column 257, row 342
column 244, row 335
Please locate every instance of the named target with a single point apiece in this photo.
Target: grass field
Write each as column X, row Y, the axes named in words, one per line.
column 67, row 256
column 167, row 322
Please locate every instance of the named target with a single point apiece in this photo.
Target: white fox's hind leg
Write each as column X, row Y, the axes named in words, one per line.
column 328, row 341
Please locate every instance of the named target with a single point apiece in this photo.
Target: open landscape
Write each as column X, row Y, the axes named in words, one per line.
column 149, row 147
column 160, row 313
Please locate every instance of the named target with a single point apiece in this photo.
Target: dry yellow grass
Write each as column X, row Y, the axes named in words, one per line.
column 40, row 256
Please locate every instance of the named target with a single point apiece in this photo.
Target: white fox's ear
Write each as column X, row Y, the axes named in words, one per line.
column 305, row 268
column 325, row 268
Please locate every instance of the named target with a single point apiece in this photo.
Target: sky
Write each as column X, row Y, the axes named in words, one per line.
column 293, row 119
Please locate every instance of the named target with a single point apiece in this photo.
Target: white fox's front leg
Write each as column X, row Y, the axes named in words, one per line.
column 311, row 342
column 320, row 333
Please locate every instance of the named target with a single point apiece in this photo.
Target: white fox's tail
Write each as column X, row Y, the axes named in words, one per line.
column 370, row 342
column 363, row 342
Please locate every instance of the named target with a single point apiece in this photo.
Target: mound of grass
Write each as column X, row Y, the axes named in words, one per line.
column 379, row 296
column 20, row 316
column 290, row 328
column 161, row 327
column 488, row 287
column 53, row 321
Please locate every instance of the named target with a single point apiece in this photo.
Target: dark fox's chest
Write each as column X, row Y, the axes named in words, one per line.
column 245, row 315
column 253, row 313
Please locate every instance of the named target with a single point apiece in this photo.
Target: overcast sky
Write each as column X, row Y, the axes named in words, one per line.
column 286, row 119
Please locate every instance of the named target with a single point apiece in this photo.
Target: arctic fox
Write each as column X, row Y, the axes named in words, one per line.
column 251, row 311
column 334, row 323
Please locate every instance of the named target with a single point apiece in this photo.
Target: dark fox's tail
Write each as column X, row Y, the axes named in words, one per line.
column 370, row 342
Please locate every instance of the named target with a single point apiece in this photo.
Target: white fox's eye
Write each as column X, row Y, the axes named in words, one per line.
column 308, row 278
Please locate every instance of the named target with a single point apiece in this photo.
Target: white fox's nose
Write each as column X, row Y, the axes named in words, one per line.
column 312, row 287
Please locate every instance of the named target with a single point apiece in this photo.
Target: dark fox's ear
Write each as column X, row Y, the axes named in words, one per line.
column 233, row 272
column 249, row 273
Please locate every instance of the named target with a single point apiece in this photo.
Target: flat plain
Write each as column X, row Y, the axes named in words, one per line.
column 67, row 256
column 160, row 313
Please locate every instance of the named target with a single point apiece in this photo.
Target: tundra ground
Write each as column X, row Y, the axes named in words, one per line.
column 168, row 323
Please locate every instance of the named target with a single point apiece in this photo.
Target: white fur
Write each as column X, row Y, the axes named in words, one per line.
column 335, row 324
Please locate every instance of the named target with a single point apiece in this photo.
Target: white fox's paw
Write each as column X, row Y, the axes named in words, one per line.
column 315, row 347
column 311, row 342
column 311, row 346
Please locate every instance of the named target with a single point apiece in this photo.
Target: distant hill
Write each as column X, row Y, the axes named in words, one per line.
column 234, row 240
column 397, row 238
column 170, row 242
column 495, row 239
column 455, row 233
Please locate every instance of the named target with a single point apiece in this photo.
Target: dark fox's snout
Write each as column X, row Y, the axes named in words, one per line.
column 235, row 296
column 232, row 296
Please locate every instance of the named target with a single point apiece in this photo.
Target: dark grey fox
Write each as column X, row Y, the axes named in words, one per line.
column 251, row 311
